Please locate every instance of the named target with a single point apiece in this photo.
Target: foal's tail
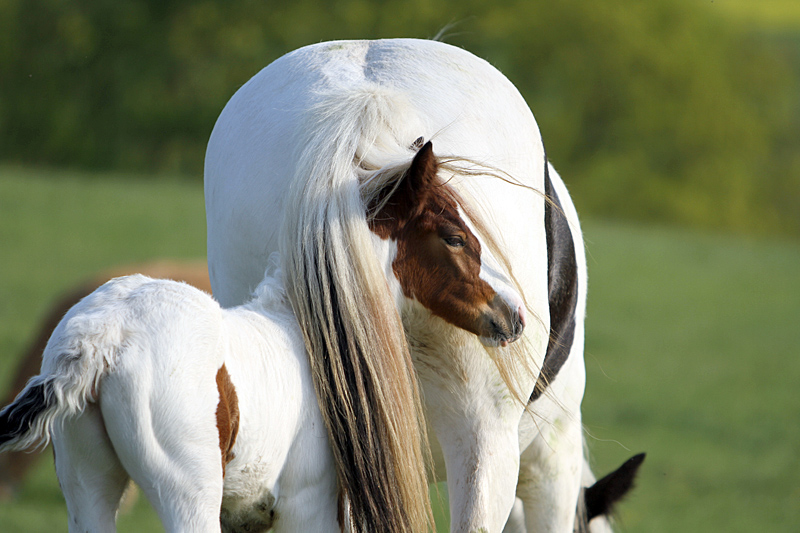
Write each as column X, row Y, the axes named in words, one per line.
column 24, row 422
column 77, row 355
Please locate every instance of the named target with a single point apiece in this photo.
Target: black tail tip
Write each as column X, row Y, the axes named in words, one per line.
column 17, row 418
column 601, row 497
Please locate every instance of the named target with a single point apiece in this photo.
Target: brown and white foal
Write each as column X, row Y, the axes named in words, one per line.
column 211, row 412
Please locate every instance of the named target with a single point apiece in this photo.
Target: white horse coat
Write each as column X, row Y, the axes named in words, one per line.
column 490, row 446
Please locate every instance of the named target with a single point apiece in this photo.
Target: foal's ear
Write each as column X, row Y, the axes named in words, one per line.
column 402, row 200
column 418, row 180
column 423, row 167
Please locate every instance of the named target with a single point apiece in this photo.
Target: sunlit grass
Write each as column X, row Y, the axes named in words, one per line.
column 692, row 347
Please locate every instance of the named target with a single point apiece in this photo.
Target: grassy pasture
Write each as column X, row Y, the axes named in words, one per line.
column 691, row 346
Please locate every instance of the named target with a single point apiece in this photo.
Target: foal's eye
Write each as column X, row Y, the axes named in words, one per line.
column 455, row 241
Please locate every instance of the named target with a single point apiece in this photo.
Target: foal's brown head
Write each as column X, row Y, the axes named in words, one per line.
column 439, row 258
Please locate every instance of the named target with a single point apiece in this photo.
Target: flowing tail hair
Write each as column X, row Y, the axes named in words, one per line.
column 47, row 398
column 76, row 356
column 363, row 374
column 25, row 423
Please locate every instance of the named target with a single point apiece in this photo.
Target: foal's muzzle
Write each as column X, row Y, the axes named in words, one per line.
column 501, row 324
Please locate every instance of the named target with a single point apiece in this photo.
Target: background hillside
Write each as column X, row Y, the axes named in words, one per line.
column 666, row 110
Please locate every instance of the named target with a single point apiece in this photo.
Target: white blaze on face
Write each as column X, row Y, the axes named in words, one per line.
column 494, row 274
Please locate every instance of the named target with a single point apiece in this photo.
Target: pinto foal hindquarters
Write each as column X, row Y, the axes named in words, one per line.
column 211, row 412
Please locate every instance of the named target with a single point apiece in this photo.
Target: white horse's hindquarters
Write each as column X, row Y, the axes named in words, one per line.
column 172, row 454
column 178, row 466
column 255, row 143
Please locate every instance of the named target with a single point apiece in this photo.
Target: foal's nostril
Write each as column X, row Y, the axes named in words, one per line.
column 502, row 322
column 517, row 324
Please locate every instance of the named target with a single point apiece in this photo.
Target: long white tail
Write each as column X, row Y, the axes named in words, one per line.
column 362, row 370
column 81, row 348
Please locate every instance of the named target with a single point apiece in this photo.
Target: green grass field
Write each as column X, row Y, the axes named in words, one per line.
column 692, row 346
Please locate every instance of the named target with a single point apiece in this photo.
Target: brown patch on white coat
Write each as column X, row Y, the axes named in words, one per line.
column 227, row 416
column 438, row 260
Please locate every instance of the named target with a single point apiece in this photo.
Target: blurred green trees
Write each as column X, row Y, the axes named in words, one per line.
column 661, row 110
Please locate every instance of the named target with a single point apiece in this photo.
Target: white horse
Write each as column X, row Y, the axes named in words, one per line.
column 211, row 412
column 405, row 265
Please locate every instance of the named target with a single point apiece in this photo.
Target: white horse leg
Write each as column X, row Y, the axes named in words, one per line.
column 550, row 476
column 308, row 485
column 476, row 424
column 516, row 520
column 482, row 468
column 89, row 472
column 314, row 508
column 172, row 454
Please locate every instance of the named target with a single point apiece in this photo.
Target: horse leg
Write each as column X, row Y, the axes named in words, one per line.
column 550, row 476
column 170, row 448
column 309, row 497
column 516, row 520
column 89, row 472
column 475, row 423
column 600, row 524
column 313, row 508
column 482, row 464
